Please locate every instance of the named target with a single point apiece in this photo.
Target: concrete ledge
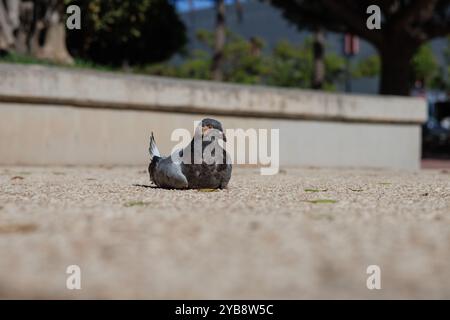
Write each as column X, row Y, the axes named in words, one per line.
column 53, row 116
column 57, row 86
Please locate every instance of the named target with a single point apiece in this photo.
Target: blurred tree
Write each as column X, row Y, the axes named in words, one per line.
column 197, row 66
column 219, row 41
column 447, row 52
column 446, row 76
column 217, row 65
column 9, row 22
column 318, row 54
column 292, row 66
column 441, row 80
column 127, row 32
column 406, row 25
column 424, row 64
column 244, row 62
column 368, row 67
column 425, row 67
column 35, row 27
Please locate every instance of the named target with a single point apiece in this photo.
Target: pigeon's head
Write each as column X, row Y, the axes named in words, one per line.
column 211, row 127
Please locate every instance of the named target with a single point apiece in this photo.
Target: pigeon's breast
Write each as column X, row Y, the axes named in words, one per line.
column 207, row 175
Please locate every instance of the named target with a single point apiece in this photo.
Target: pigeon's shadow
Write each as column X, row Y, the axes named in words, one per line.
column 145, row 186
column 156, row 187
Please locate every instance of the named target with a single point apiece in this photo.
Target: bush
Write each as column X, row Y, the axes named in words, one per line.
column 127, row 32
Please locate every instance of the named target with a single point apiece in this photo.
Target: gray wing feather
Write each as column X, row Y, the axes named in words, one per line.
column 168, row 174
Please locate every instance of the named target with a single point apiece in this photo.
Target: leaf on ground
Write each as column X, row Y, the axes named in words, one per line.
column 17, row 178
column 385, row 183
column 135, row 203
column 207, row 190
column 18, row 228
column 320, row 201
column 316, row 190
column 355, row 190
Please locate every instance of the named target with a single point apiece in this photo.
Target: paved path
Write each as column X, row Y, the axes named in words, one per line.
column 305, row 233
column 436, row 163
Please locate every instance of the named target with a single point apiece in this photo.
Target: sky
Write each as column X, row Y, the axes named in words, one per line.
column 183, row 5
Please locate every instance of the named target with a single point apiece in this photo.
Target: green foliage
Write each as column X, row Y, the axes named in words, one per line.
column 245, row 62
column 425, row 65
column 196, row 67
column 13, row 57
column 447, row 52
column 28, row 59
column 134, row 32
column 334, row 70
column 446, row 71
column 291, row 65
column 368, row 67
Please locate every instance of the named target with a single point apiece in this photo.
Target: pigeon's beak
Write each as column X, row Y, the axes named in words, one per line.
column 205, row 130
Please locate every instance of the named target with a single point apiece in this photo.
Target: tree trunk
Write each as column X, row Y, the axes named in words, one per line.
column 23, row 32
column 319, row 62
column 15, row 22
column 54, row 47
column 14, row 13
column 24, row 24
column 219, row 42
column 396, row 69
column 6, row 28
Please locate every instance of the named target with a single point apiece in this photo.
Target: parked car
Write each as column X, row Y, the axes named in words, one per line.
column 436, row 131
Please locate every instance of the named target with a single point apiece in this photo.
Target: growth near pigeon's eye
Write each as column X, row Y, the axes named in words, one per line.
column 191, row 167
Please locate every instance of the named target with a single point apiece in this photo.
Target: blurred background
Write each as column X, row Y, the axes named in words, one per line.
column 321, row 45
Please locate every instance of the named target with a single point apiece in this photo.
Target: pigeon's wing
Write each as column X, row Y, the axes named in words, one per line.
column 168, row 174
column 225, row 175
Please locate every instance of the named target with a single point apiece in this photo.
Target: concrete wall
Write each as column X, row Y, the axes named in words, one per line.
column 58, row 116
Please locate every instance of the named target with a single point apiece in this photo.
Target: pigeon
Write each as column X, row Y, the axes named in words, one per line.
column 203, row 164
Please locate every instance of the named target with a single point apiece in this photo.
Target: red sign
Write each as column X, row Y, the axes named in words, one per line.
column 351, row 44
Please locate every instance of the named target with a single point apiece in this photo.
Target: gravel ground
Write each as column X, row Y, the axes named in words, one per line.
column 305, row 233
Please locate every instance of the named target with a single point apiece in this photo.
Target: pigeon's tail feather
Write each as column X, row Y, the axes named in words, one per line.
column 153, row 149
